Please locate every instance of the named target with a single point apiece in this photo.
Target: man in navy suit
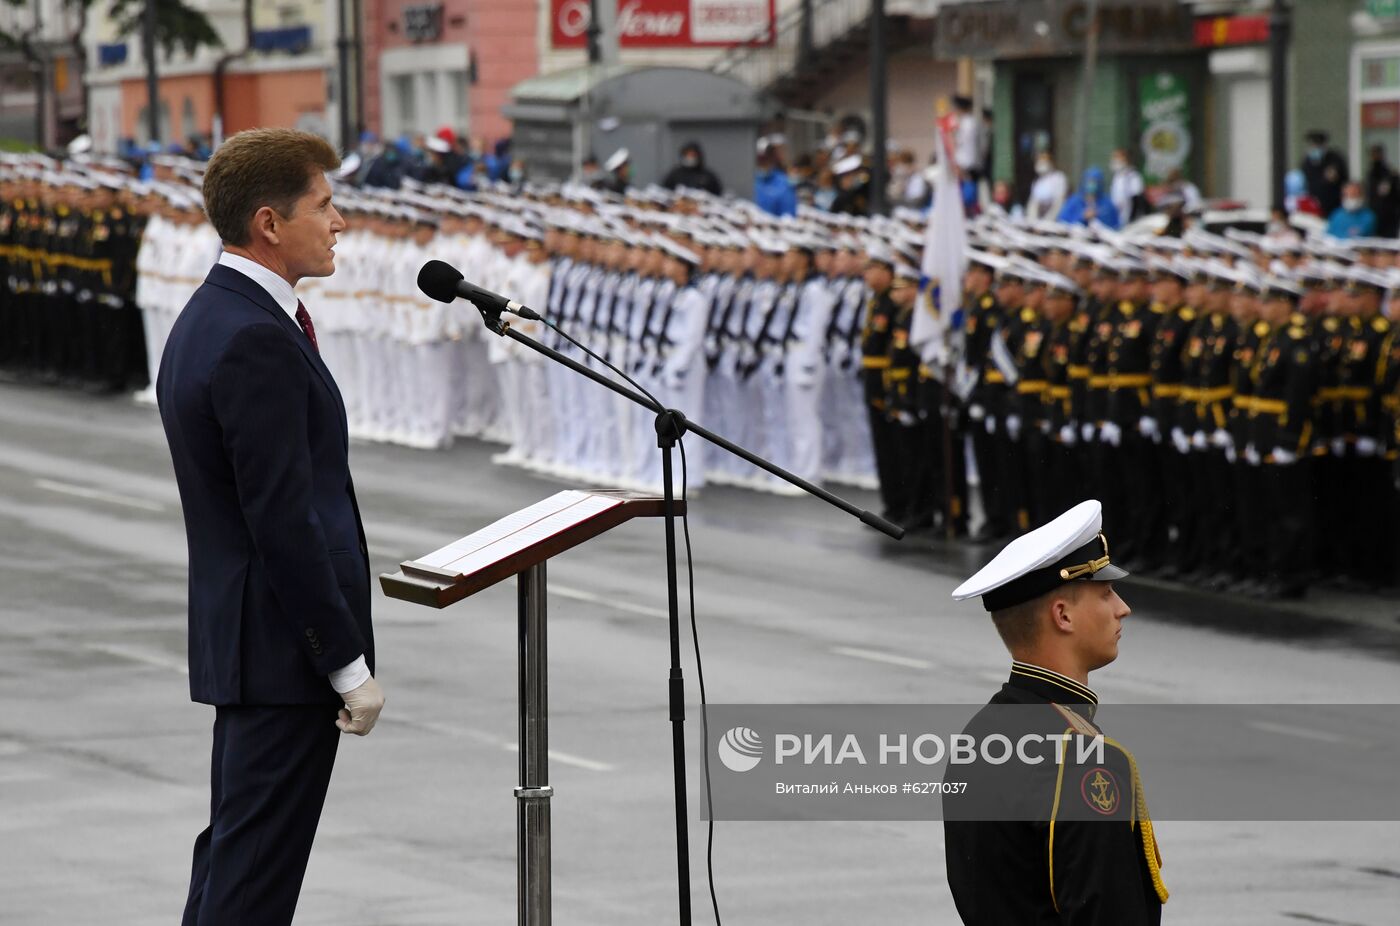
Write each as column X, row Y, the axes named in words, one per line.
column 280, row 640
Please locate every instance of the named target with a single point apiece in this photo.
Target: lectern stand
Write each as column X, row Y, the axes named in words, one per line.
column 519, row 545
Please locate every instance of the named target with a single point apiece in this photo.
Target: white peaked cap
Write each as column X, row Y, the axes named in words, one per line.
column 1070, row 547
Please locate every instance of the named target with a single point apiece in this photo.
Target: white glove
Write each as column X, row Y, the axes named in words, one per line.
column 1230, row 454
column 1367, row 446
column 1086, row 431
column 906, row 419
column 976, row 412
column 1181, row 441
column 1013, row 427
column 1068, row 436
column 1111, row 434
column 1198, row 440
column 1221, row 439
column 1339, row 446
column 1147, row 427
column 1251, row 456
column 991, row 425
column 361, row 710
column 1283, row 457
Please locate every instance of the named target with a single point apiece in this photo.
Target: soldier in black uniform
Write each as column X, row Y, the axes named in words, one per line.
column 1127, row 381
column 1161, row 531
column 1024, row 448
column 875, row 360
column 901, row 380
column 1205, row 400
column 982, row 319
column 1279, row 430
column 1245, row 563
column 1058, row 841
column 1056, row 419
column 1357, row 410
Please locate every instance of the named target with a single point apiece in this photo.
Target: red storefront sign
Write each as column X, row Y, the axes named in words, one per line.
column 1215, row 31
column 669, row 23
column 1384, row 115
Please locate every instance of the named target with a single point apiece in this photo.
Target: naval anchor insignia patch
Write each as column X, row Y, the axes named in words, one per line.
column 1100, row 790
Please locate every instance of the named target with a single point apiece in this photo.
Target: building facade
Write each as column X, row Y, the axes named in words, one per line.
column 41, row 73
column 282, row 72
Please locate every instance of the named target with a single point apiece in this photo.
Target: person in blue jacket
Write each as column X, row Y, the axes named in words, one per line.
column 1353, row 218
column 1090, row 202
column 772, row 187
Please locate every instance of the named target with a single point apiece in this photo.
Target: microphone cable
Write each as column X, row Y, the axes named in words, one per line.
column 694, row 629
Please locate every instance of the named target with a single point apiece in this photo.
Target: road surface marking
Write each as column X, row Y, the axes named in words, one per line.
column 564, row 758
column 578, row 594
column 67, row 488
column 1300, row 732
column 876, row 656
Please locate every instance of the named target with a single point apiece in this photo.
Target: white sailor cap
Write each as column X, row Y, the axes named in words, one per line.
column 1070, row 548
column 679, row 253
column 617, row 159
column 846, row 165
column 348, row 166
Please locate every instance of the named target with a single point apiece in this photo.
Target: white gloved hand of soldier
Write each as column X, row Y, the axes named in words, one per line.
column 991, row 425
column 1366, row 446
column 1013, row 427
column 1221, row 439
column 361, row 710
column 1199, row 440
column 1111, row 434
column 1068, row 436
column 1251, row 455
column 1339, row 446
column 1180, row 441
column 1147, row 427
column 976, row 412
column 1283, row 457
column 1086, row 431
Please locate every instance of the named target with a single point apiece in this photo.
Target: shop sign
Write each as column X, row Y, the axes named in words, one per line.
column 1164, row 110
column 1383, row 9
column 1219, row 31
column 668, row 23
column 422, row 23
column 1045, row 28
column 1384, row 115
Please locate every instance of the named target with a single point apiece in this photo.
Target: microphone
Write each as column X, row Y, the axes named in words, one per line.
column 445, row 283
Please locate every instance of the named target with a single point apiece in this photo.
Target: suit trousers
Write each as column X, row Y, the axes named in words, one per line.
column 268, row 777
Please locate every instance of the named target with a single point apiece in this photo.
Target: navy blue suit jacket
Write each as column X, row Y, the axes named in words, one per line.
column 279, row 571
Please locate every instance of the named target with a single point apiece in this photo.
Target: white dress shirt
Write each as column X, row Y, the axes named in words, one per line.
column 355, row 674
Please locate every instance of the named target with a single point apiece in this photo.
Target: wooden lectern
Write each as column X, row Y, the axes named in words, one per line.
column 518, row 545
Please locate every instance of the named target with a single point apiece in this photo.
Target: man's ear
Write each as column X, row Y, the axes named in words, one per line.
column 265, row 225
column 1060, row 614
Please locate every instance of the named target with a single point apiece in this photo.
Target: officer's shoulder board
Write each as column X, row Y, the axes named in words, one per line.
column 1187, row 314
column 1381, row 324
column 1127, row 308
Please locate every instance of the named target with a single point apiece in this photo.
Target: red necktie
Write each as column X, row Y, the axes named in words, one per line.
column 304, row 319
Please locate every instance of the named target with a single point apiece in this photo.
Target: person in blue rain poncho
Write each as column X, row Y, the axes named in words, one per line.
column 1090, row 202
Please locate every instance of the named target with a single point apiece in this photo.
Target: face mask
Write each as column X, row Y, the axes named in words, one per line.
column 1352, row 203
column 1314, row 154
column 1116, row 164
column 1042, row 167
column 516, row 175
column 690, row 160
column 1092, row 188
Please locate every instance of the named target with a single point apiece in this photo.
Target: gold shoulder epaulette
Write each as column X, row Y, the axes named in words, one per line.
column 1297, row 332
column 1127, row 308
column 987, row 302
column 1027, row 314
column 1261, row 328
column 1381, row 324
column 1187, row 313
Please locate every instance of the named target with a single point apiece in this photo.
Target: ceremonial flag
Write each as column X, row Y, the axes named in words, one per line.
column 937, row 327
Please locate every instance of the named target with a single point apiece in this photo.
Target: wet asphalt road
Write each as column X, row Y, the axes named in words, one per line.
column 104, row 761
